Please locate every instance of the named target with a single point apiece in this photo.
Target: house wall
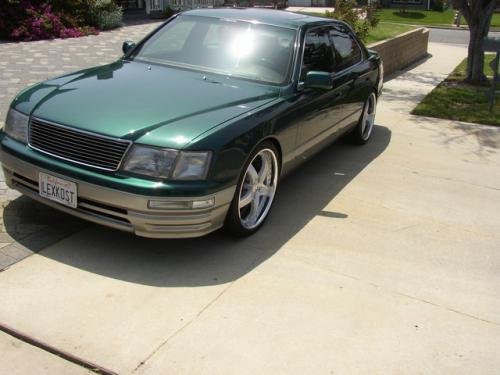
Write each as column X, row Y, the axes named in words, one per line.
column 403, row 50
column 151, row 5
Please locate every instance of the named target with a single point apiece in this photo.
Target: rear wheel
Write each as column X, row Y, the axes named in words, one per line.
column 362, row 132
column 255, row 191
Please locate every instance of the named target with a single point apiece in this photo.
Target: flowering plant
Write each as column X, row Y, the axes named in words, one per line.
column 27, row 20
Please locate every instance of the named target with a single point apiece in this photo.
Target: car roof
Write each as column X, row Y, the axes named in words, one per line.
column 266, row 16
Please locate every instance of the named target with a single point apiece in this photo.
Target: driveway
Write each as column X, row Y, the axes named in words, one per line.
column 381, row 259
column 23, row 64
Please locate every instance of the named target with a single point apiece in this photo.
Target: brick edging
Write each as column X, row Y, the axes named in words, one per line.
column 402, row 50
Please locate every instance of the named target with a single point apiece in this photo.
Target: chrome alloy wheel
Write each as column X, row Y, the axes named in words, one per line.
column 368, row 116
column 258, row 188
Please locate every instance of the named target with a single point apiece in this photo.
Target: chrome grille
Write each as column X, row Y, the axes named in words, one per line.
column 77, row 146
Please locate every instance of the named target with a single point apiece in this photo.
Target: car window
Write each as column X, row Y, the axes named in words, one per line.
column 318, row 54
column 235, row 48
column 346, row 49
column 173, row 41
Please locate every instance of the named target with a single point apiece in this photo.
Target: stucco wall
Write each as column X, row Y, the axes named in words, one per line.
column 402, row 50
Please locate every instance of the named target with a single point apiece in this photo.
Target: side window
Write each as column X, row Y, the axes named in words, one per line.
column 347, row 51
column 318, row 53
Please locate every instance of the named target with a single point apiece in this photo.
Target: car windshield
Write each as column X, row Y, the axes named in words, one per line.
column 234, row 48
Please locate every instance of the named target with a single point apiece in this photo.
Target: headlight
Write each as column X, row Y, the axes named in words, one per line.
column 191, row 165
column 167, row 163
column 150, row 161
column 16, row 125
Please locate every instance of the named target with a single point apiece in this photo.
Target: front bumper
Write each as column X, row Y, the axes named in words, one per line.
column 123, row 210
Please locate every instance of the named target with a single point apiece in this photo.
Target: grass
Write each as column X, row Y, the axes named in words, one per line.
column 417, row 17
column 459, row 73
column 386, row 31
column 381, row 32
column 455, row 100
column 426, row 17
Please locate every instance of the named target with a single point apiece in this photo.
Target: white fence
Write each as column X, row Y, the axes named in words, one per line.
column 162, row 5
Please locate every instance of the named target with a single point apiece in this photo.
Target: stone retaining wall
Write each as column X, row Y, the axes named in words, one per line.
column 402, row 50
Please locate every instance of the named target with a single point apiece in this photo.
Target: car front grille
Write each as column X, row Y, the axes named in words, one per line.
column 77, row 146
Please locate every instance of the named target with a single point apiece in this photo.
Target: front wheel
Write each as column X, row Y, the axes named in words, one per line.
column 255, row 191
column 362, row 132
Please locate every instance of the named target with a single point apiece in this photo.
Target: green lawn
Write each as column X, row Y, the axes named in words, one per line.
column 459, row 72
column 425, row 17
column 455, row 100
column 386, row 31
column 416, row 16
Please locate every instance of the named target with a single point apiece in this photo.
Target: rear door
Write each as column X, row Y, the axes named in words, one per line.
column 352, row 70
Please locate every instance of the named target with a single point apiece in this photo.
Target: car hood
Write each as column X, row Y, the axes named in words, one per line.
column 155, row 105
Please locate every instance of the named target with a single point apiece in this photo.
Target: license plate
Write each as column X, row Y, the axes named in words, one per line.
column 57, row 189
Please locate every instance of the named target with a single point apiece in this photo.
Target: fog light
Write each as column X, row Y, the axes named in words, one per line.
column 181, row 205
column 205, row 203
column 169, row 205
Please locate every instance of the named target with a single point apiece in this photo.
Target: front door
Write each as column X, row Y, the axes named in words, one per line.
column 321, row 111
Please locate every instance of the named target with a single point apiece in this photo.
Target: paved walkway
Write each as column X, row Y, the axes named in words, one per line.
column 380, row 259
column 26, row 63
column 26, row 226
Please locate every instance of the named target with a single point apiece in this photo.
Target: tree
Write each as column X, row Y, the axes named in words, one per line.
column 478, row 15
column 360, row 19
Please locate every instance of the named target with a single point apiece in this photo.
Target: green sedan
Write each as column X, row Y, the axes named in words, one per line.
column 195, row 126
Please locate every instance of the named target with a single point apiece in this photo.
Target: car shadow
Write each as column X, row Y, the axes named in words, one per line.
column 218, row 258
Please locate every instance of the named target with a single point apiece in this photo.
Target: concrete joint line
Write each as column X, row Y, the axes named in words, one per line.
column 203, row 309
column 165, row 342
column 58, row 352
column 395, row 292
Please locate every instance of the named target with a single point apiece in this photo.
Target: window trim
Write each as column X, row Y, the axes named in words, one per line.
column 300, row 84
column 353, row 37
column 304, row 47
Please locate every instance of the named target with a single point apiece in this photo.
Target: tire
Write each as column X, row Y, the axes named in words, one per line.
column 363, row 130
column 255, row 191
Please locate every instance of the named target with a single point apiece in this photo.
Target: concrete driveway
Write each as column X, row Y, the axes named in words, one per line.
column 382, row 259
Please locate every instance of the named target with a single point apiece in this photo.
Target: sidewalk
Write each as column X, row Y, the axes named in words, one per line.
column 19, row 358
column 380, row 259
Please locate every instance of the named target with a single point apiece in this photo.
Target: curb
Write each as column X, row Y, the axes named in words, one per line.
column 443, row 27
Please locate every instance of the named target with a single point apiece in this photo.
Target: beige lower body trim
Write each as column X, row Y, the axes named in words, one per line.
column 122, row 210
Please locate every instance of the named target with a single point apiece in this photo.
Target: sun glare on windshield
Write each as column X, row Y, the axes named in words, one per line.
column 239, row 49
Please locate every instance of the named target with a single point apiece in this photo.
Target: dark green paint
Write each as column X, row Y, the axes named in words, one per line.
column 183, row 109
column 318, row 80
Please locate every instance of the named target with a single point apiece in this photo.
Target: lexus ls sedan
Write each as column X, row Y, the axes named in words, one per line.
column 194, row 126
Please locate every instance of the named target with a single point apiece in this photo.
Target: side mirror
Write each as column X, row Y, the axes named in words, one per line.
column 318, row 80
column 127, row 46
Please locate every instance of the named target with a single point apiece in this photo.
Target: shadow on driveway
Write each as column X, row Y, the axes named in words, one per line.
column 218, row 258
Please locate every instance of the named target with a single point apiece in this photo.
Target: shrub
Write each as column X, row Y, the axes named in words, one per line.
column 361, row 20
column 27, row 20
column 47, row 19
column 104, row 14
column 169, row 12
column 438, row 5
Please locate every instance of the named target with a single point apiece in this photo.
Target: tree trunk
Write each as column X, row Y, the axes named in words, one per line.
column 475, row 57
column 479, row 24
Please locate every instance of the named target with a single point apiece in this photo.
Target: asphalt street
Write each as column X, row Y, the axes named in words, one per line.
column 453, row 36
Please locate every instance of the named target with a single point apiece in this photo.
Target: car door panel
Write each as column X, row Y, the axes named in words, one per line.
column 320, row 110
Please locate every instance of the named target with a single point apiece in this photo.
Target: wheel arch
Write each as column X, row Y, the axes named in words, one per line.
column 276, row 143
